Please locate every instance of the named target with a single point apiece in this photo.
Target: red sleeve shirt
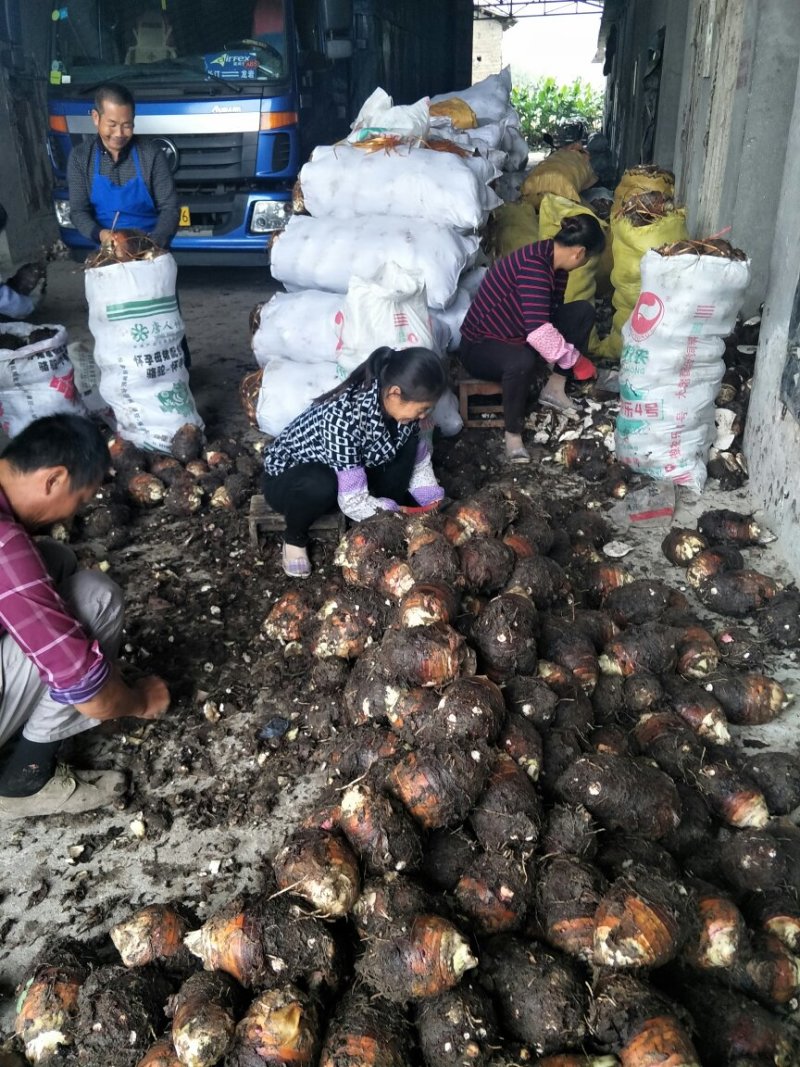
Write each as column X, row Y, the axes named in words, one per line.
column 34, row 615
column 519, row 294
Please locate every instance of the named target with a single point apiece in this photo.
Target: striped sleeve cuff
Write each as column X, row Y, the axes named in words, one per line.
column 88, row 687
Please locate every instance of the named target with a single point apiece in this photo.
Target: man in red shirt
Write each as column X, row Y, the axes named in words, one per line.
column 60, row 626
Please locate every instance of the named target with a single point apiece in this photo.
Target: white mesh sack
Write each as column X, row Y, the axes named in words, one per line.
column 488, row 98
column 36, row 379
column 305, row 327
column 325, row 253
column 287, row 389
column 342, row 181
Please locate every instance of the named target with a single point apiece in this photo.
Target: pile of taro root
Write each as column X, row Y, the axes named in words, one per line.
column 195, row 475
column 539, row 845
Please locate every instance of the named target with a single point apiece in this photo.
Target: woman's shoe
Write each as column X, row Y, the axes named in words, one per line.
column 298, row 566
column 518, row 455
column 565, row 408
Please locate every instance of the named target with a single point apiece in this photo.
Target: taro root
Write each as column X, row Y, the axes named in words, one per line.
column 723, row 527
column 540, row 993
column 749, row 699
column 733, row 1030
column 187, row 444
column 574, row 651
column 281, row 1027
column 777, row 775
column 737, row 593
column 369, row 692
column 570, row 830
column 487, row 514
column 365, row 1032
column 599, row 579
column 126, row 458
column 429, row 958
column 329, row 675
column 642, row 600
column 776, row 912
column 470, row 708
column 395, row 579
column 486, row 564
column 362, row 748
column 457, row 1028
column 699, row 708
column 378, row 829
column 713, row 561
column 203, row 1021
column 389, row 904
column 681, row 546
column 597, row 625
column 218, row 460
column 530, row 536
column 424, row 655
column 696, row 827
column 565, row 1059
column 165, row 467
column 642, row 921
column 119, row 1010
column 364, row 549
column 263, row 940
column 640, row 1024
column 508, row 816
column 585, row 525
column 47, row 1000
column 505, row 636
column 779, row 621
column 427, row 603
column 568, row 893
column 494, row 892
column 289, row 618
column 739, row 648
column 698, row 655
column 622, row 793
column 198, row 468
column 731, row 796
column 619, row 852
column 435, row 560
column 153, row 933
column 561, row 749
column 719, row 934
column 532, row 698
column 347, row 625
column 145, row 489
column 540, row 578
column 608, row 700
column 649, row 648
column 321, row 869
column 759, row 860
column 410, row 712
column 610, row 739
column 447, row 854
column 438, row 784
column 184, row 497
column 232, row 493
column 641, row 691
column 161, row 1054
column 108, row 523
column 769, row 972
column 671, row 742
column 523, row 743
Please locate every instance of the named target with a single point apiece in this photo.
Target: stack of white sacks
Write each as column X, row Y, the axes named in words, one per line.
column 386, row 254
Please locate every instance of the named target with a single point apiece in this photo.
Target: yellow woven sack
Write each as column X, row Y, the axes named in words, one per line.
column 582, row 284
column 513, row 225
column 564, row 173
column 458, row 111
column 642, row 180
column 630, row 244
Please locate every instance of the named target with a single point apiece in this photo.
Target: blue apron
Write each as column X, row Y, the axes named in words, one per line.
column 132, row 200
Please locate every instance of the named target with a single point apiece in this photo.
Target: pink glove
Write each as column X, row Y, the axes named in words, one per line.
column 552, row 347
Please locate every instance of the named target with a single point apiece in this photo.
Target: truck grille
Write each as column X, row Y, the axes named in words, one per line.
column 215, row 157
column 281, row 151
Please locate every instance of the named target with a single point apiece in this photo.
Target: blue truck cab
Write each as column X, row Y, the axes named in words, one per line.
column 222, row 87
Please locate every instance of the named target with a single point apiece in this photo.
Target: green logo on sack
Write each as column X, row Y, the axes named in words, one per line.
column 138, row 309
column 177, row 399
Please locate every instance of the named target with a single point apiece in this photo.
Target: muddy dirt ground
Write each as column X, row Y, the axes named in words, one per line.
column 212, row 794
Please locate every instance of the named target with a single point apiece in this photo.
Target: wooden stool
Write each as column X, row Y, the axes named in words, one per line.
column 330, row 527
column 477, row 415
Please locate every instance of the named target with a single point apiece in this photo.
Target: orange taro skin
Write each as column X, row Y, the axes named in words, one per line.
column 662, row 1042
column 162, row 1054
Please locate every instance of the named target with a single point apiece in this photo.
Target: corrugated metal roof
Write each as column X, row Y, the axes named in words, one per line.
column 517, row 9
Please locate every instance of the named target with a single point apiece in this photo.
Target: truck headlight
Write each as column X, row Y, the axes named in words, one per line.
column 269, row 215
column 63, row 214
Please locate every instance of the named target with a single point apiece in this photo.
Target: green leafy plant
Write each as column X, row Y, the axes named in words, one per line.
column 543, row 104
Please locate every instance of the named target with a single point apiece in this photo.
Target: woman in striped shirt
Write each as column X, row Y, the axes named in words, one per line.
column 363, row 446
column 519, row 312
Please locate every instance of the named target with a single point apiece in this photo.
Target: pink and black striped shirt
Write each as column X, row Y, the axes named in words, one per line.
column 69, row 663
column 519, row 294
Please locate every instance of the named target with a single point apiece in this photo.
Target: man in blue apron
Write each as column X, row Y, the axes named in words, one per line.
column 118, row 182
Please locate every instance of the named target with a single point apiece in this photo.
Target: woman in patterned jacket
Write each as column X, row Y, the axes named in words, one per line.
column 363, row 446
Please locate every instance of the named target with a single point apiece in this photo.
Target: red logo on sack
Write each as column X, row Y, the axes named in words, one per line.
column 65, row 385
column 647, row 314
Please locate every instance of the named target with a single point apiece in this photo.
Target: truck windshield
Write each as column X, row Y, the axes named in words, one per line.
column 168, row 42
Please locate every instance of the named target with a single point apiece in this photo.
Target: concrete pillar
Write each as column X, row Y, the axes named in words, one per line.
column 772, row 439
column 677, row 20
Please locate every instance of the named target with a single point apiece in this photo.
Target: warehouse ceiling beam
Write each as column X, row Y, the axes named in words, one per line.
column 520, row 9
